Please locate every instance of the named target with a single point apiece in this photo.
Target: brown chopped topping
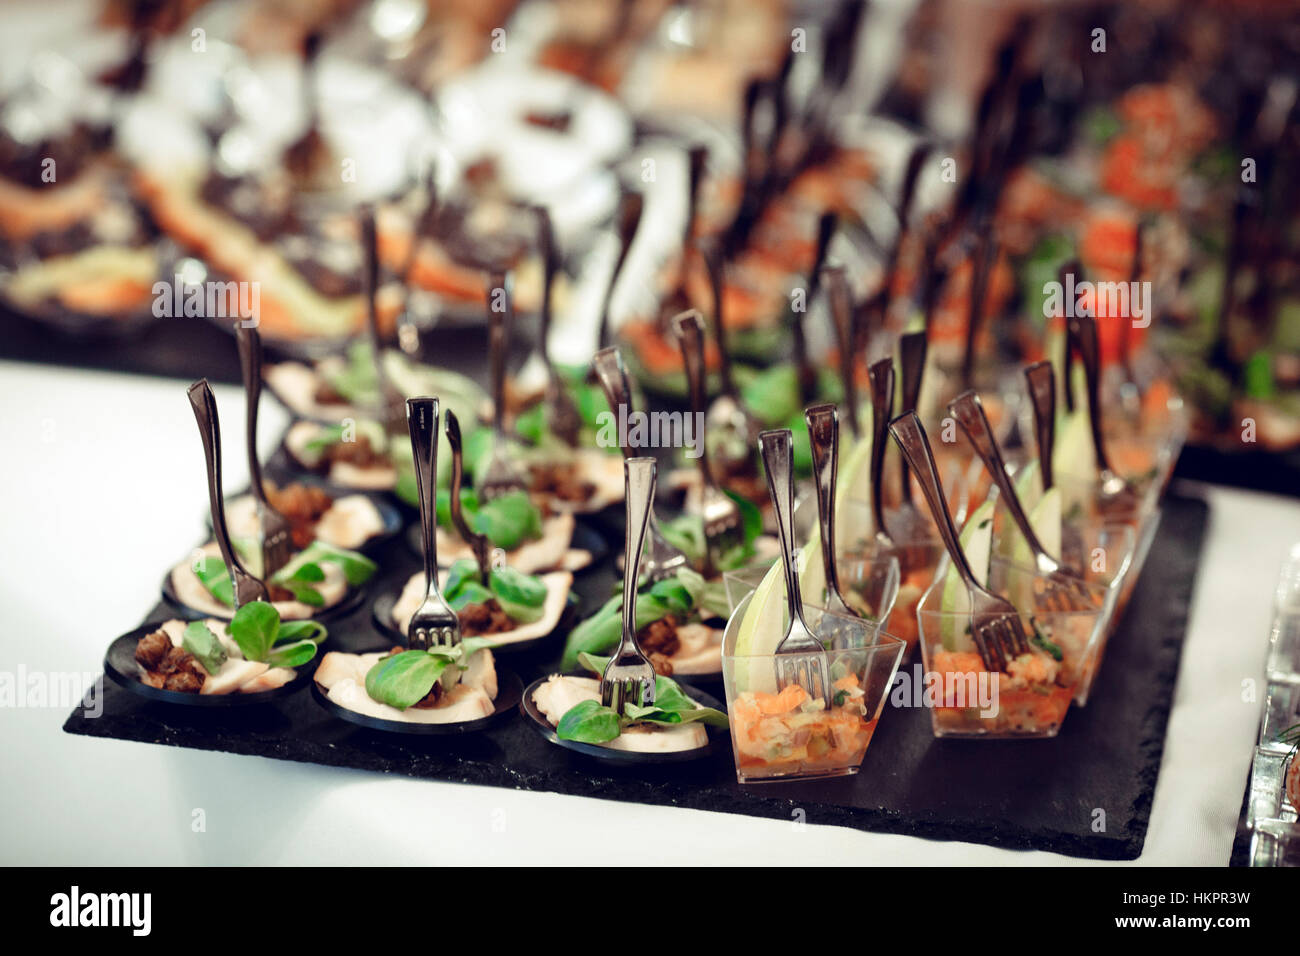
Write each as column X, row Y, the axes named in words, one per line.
column 187, row 682
column 151, row 649
column 561, row 480
column 358, row 453
column 303, row 505
column 430, row 699
column 660, row 637
column 662, row 665
column 489, row 618
column 278, row 592
column 166, row 667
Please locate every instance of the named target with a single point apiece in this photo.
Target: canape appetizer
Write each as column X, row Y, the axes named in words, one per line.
column 674, row 722
column 221, row 575
column 252, row 652
column 439, row 685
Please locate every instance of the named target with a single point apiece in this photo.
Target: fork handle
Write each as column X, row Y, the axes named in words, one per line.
column 250, row 365
column 824, row 439
column 422, row 423
column 612, row 375
column 910, row 435
column 478, row 543
column 969, row 412
column 639, row 476
column 630, row 206
column 712, row 256
column 204, row 404
column 689, row 327
column 912, row 348
column 1041, row 379
column 550, row 265
column 370, row 289
column 841, row 304
column 498, row 320
column 1085, row 337
column 881, row 375
column 776, row 446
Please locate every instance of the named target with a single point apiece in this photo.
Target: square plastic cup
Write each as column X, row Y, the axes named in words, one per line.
column 783, row 734
column 1031, row 698
column 1104, row 557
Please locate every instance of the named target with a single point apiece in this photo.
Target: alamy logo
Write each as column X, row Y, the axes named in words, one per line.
column 75, row 908
column 632, row 429
column 212, row 299
column 1131, row 300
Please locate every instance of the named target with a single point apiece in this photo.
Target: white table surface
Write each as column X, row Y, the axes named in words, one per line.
column 103, row 489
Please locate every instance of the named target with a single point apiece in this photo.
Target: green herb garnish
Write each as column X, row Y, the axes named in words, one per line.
column 405, row 678
column 257, row 630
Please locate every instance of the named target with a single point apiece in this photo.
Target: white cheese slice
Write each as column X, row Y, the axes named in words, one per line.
column 344, row 678
column 191, row 592
column 377, row 478
column 604, row 471
column 350, row 521
column 236, row 674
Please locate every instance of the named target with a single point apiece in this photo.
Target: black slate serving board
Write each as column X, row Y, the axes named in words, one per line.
column 1040, row 794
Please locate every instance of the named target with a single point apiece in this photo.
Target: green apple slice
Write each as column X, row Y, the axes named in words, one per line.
column 1045, row 519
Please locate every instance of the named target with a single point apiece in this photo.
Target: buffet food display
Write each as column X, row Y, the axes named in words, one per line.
column 868, row 396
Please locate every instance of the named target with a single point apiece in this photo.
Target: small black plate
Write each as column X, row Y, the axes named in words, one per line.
column 352, row 600
column 121, row 667
column 622, row 757
column 382, row 612
column 389, row 514
column 509, row 693
column 585, row 537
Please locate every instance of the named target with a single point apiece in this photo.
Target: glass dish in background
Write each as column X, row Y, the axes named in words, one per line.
column 1268, row 800
column 1275, row 843
column 783, row 735
column 1283, row 665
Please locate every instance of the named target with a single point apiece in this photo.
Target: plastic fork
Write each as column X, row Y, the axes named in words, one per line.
column 245, row 586
column 1116, row 495
column 630, row 205
column 728, row 410
column 562, row 414
column 660, row 560
column 840, row 298
column 723, row 527
column 824, row 439
column 909, row 523
column 390, row 399
column 500, row 477
column 277, row 533
column 479, row 544
column 1066, row 590
column 629, row 676
column 801, row 657
column 996, row 627
column 1041, row 379
column 434, row 623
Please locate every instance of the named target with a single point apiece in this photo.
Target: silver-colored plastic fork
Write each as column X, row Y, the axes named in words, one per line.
column 478, row 544
column 996, row 627
column 723, row 528
column 245, row 586
column 390, row 399
column 824, row 439
column 629, row 677
column 1040, row 379
column 561, row 411
column 1116, row 495
column 800, row 657
column 1065, row 590
column 434, row 623
column 277, row 533
column 660, row 559
column 501, row 477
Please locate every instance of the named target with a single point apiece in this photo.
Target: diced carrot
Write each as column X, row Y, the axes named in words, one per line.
column 957, row 662
column 847, row 682
column 782, row 703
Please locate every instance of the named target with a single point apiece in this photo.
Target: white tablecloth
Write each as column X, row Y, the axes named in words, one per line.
column 103, row 489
